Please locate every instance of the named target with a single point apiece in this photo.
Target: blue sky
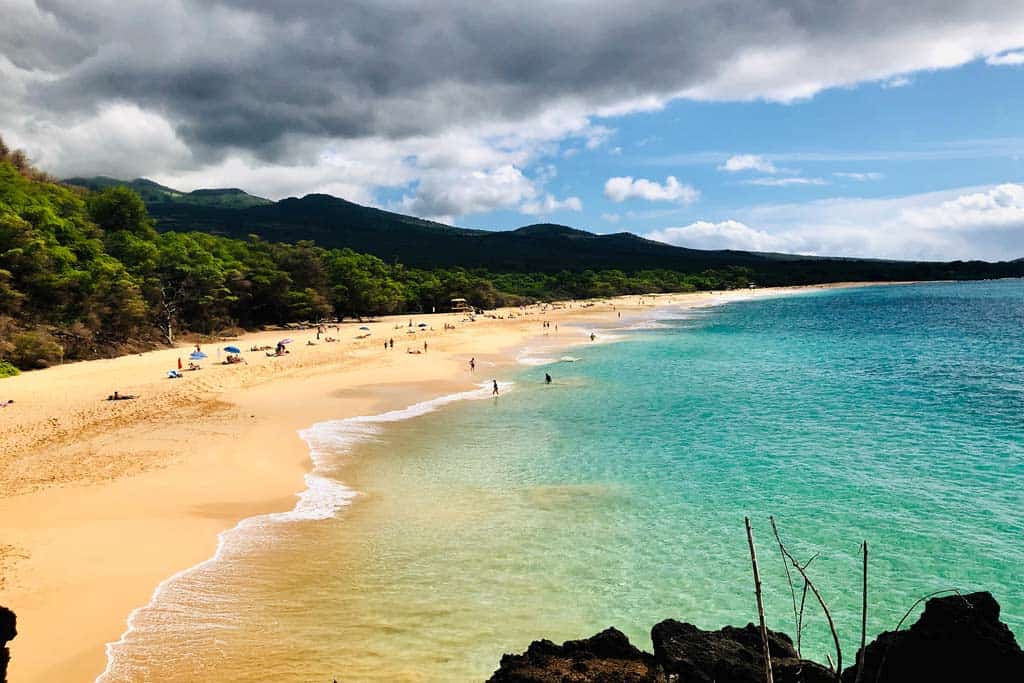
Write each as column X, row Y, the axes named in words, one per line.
column 949, row 131
column 867, row 128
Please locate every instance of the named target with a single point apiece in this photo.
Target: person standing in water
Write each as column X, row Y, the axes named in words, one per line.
column 593, row 336
column 495, row 392
column 547, row 378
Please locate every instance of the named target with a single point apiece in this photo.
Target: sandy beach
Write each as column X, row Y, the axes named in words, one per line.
column 100, row 501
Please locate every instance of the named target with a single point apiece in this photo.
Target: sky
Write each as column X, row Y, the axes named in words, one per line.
column 848, row 128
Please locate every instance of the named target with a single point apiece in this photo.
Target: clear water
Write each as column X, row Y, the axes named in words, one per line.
column 616, row 496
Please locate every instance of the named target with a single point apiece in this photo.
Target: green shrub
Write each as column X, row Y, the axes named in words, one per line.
column 34, row 350
column 8, row 370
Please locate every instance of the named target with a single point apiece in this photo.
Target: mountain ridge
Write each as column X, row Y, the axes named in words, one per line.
column 334, row 222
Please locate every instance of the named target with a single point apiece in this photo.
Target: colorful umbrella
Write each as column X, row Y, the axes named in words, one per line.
column 197, row 355
column 232, row 349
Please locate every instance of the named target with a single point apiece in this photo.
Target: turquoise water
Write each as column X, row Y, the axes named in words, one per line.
column 616, row 496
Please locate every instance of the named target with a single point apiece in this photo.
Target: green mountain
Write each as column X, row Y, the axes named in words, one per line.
column 155, row 193
column 542, row 248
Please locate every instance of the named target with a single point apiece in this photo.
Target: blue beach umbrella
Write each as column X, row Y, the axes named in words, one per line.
column 232, row 349
column 364, row 328
column 197, row 355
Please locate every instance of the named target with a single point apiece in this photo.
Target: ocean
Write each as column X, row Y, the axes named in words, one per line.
column 432, row 540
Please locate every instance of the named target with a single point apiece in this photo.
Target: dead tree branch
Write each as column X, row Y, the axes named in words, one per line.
column 838, row 667
column 760, row 605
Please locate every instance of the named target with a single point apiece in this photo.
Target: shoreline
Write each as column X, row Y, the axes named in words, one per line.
column 88, row 535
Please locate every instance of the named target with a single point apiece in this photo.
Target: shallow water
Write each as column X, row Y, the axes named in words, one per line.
column 617, row 496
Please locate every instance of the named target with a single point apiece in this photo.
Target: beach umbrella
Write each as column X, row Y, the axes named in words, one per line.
column 289, row 340
column 423, row 325
column 232, row 349
column 364, row 328
column 197, row 355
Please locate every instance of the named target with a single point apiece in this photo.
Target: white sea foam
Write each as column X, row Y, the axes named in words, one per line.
column 645, row 325
column 535, row 360
column 320, row 500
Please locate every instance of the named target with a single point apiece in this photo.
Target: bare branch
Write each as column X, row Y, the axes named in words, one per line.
column 821, row 601
column 760, row 605
column 863, row 618
column 789, row 580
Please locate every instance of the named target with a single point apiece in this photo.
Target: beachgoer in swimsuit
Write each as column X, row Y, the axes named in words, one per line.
column 495, row 392
column 547, row 378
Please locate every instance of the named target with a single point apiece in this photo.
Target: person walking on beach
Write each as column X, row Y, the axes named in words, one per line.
column 495, row 392
column 424, row 347
column 472, row 364
column 593, row 336
column 391, row 342
column 547, row 378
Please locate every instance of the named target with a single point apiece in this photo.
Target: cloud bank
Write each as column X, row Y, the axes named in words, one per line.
column 361, row 96
column 985, row 223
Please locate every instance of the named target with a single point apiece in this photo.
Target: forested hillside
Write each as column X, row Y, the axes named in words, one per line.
column 85, row 274
column 544, row 248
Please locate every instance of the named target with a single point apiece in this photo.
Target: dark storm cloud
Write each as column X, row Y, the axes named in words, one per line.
column 250, row 74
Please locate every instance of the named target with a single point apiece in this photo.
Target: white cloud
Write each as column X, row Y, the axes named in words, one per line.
column 970, row 223
column 724, row 235
column 597, row 136
column 626, row 187
column 548, row 204
column 997, row 208
column 1007, row 59
column 859, row 177
column 86, row 147
column 897, row 82
column 611, row 217
column 443, row 196
column 785, row 182
column 748, row 162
